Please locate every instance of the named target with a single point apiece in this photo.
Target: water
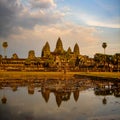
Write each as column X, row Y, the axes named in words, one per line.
column 34, row 98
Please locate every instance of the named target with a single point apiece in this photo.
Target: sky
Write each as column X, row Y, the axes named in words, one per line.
column 28, row 24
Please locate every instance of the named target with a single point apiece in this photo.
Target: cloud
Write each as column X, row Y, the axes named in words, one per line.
column 15, row 14
column 8, row 15
column 42, row 4
column 34, row 39
column 34, row 22
column 30, row 19
column 92, row 20
column 70, row 34
column 52, row 32
column 102, row 24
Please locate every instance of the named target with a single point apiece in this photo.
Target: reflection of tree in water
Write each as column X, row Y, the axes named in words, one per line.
column 116, row 89
column 63, row 87
column 117, row 93
column 4, row 99
column 104, row 101
column 107, row 88
column 103, row 92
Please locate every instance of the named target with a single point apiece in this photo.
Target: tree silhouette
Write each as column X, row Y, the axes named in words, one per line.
column 5, row 45
column 104, row 101
column 104, row 45
column 4, row 100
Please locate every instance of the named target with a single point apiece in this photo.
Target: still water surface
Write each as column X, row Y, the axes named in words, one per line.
column 32, row 98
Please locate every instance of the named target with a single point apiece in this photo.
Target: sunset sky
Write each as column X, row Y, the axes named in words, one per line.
column 28, row 24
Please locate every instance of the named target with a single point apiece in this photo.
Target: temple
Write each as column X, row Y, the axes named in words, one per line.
column 60, row 60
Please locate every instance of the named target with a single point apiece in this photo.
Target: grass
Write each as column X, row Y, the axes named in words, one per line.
column 58, row 74
column 102, row 74
column 37, row 74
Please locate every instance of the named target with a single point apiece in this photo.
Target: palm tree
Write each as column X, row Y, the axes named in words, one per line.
column 4, row 100
column 104, row 45
column 5, row 45
column 104, row 101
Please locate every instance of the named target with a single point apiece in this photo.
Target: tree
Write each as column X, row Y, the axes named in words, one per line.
column 116, row 61
column 5, row 45
column 104, row 45
column 99, row 59
column 0, row 57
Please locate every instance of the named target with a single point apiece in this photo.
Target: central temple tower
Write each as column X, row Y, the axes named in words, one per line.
column 59, row 46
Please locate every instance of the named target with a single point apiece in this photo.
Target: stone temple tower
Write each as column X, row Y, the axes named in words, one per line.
column 76, row 50
column 31, row 54
column 59, row 46
column 46, row 50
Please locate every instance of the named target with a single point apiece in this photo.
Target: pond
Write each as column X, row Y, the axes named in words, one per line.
column 43, row 98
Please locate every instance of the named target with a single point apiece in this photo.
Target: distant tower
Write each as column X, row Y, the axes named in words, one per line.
column 69, row 50
column 14, row 56
column 31, row 54
column 76, row 49
column 59, row 46
column 46, row 50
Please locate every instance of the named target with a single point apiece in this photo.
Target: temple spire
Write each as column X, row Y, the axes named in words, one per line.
column 69, row 50
column 76, row 49
column 59, row 46
column 46, row 50
column 31, row 54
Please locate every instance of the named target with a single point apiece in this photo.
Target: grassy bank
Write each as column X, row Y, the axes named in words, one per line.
column 102, row 74
column 37, row 74
column 58, row 74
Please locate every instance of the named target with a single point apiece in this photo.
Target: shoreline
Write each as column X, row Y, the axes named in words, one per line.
column 106, row 75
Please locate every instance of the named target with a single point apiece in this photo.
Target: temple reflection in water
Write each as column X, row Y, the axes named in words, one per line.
column 61, row 88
